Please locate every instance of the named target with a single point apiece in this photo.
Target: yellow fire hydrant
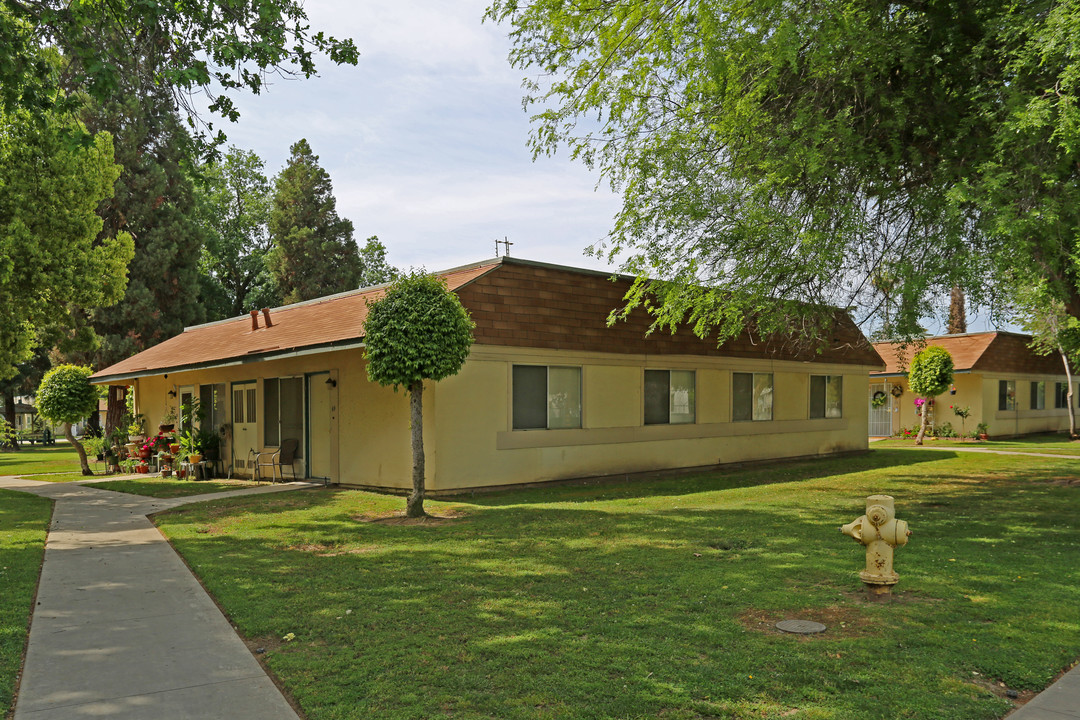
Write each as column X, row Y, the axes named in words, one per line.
column 880, row 532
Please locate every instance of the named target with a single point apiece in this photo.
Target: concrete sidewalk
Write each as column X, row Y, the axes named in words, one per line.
column 1060, row 701
column 122, row 629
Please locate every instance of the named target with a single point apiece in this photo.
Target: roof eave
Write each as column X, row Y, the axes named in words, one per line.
column 277, row 354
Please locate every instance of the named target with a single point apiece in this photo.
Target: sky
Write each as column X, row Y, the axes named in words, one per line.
column 426, row 141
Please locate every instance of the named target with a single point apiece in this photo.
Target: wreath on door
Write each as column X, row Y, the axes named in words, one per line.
column 897, row 391
column 879, row 399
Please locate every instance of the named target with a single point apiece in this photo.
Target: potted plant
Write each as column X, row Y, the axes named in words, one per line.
column 962, row 413
column 168, row 423
column 191, row 440
column 135, row 432
column 981, row 429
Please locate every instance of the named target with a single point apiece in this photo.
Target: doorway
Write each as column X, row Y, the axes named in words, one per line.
column 245, row 435
column 881, row 415
column 320, row 403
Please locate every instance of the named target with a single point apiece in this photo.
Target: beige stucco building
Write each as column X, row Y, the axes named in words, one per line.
column 548, row 392
column 1003, row 382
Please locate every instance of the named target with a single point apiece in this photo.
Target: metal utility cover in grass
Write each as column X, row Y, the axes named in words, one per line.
column 801, row 627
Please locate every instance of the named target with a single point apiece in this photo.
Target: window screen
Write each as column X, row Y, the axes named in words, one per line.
column 1038, row 395
column 291, row 391
column 271, row 394
column 530, row 397
column 657, row 389
column 742, row 393
column 564, row 397
column 826, row 396
column 1061, row 395
column 1006, row 394
column 683, row 400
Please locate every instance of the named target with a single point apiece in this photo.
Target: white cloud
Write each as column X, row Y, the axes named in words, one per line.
column 425, row 139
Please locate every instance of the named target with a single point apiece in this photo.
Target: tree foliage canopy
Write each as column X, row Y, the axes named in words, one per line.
column 314, row 253
column 52, row 253
column 418, row 331
column 931, row 371
column 123, row 47
column 66, row 395
column 867, row 156
column 154, row 201
column 234, row 209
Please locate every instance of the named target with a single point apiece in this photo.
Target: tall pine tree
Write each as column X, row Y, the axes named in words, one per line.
column 314, row 252
column 155, row 202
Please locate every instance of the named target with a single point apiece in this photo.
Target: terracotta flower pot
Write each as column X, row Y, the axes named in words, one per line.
column 194, row 458
column 174, row 448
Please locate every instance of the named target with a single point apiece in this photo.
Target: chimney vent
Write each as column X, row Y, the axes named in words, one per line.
column 266, row 316
column 254, row 320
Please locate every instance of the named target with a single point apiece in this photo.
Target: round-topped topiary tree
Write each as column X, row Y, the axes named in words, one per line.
column 929, row 375
column 418, row 331
column 66, row 396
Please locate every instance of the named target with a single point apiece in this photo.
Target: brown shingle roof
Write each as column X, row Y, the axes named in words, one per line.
column 513, row 302
column 336, row 319
column 977, row 352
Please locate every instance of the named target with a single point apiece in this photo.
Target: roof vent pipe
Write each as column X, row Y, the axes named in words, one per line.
column 266, row 316
column 254, row 320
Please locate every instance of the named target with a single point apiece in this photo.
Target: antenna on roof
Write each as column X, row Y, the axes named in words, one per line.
column 506, row 247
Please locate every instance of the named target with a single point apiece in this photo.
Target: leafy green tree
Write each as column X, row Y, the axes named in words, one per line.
column 418, row 331
column 314, row 253
column 155, row 202
column 124, row 48
column 929, row 375
column 54, row 256
column 376, row 270
column 770, row 152
column 1053, row 330
column 66, row 396
column 234, row 209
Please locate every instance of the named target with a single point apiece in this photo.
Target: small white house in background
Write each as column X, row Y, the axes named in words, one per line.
column 997, row 376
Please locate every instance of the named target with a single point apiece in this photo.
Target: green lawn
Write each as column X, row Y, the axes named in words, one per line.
column 1050, row 444
column 657, row 599
column 33, row 459
column 24, row 520
column 159, row 487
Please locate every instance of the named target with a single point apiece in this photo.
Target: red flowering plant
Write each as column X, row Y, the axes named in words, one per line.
column 158, row 442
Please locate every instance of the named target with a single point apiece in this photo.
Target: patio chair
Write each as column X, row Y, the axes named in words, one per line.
column 277, row 461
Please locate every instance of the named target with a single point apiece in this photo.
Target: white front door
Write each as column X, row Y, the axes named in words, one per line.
column 881, row 417
column 245, row 431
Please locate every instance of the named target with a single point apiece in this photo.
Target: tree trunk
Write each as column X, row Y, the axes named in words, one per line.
column 415, row 507
column 1069, row 392
column 115, row 410
column 9, row 418
column 957, row 312
column 922, row 425
column 78, row 448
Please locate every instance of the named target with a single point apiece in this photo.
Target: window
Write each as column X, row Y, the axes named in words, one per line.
column 752, row 396
column 546, row 398
column 669, row 397
column 283, row 412
column 212, row 400
column 1038, row 395
column 1061, row 395
column 826, row 396
column 1006, row 394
